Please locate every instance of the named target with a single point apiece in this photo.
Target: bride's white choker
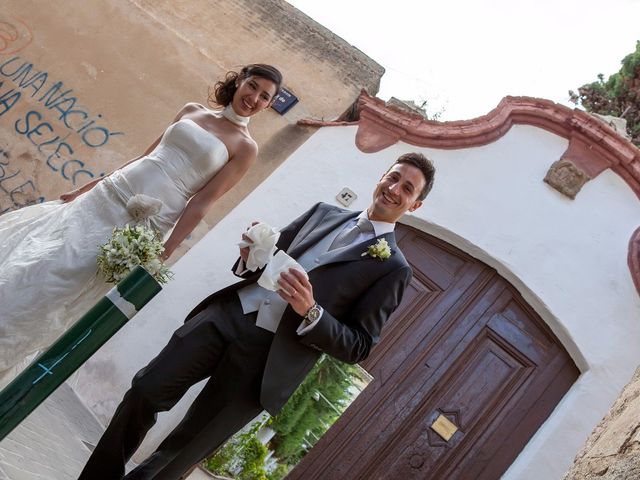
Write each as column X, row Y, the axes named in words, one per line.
column 230, row 114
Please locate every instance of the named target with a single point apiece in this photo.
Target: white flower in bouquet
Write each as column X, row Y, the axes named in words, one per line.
column 129, row 247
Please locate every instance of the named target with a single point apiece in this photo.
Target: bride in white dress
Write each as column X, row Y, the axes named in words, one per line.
column 48, row 272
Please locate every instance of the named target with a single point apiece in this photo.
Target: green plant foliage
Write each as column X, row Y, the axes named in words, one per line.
column 312, row 408
column 619, row 95
column 244, row 452
column 279, row 473
column 253, row 455
column 220, row 460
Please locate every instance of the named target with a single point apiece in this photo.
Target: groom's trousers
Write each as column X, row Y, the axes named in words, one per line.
column 220, row 342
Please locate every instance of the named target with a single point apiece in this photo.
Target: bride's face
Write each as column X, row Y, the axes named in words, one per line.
column 253, row 95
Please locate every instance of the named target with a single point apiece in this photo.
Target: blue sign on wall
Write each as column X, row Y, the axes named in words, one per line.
column 284, row 101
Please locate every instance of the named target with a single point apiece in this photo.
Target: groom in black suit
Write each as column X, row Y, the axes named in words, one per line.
column 256, row 345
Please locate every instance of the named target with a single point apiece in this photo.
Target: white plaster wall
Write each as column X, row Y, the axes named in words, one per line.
column 567, row 257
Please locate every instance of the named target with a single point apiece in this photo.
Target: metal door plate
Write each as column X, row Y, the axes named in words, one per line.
column 444, row 427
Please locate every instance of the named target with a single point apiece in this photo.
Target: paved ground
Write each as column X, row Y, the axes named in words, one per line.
column 54, row 441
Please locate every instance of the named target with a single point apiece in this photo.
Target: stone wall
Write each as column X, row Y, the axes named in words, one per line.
column 612, row 452
column 85, row 86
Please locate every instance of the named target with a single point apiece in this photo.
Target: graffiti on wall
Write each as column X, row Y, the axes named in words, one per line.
column 15, row 190
column 53, row 119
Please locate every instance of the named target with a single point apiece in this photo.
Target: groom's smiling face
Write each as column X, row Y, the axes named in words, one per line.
column 396, row 193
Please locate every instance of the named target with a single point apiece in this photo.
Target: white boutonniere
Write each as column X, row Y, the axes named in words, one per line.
column 379, row 250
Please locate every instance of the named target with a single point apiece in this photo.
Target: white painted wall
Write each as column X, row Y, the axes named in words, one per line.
column 567, row 257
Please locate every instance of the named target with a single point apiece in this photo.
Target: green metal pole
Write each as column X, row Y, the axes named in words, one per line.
column 74, row 347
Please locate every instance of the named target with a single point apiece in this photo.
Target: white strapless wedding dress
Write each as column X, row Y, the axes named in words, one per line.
column 48, row 272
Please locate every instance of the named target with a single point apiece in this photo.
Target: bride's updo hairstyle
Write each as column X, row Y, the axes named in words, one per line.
column 223, row 91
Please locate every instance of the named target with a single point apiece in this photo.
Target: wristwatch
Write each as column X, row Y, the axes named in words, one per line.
column 313, row 314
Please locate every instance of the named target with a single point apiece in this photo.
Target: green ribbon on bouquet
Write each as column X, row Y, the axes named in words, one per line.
column 74, row 347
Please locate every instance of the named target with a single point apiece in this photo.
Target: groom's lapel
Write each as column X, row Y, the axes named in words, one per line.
column 355, row 252
column 307, row 238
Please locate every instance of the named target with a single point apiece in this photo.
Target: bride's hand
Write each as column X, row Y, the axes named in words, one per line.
column 165, row 254
column 69, row 196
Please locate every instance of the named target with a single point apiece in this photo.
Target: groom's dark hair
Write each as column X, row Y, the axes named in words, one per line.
column 423, row 164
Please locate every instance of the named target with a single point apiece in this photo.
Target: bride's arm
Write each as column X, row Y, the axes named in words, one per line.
column 69, row 196
column 201, row 202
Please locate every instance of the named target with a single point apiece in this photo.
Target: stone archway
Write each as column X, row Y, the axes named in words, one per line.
column 464, row 375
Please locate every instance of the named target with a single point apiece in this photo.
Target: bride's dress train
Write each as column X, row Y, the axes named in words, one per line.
column 48, row 273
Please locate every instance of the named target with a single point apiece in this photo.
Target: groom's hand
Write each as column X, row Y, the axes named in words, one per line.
column 244, row 252
column 296, row 290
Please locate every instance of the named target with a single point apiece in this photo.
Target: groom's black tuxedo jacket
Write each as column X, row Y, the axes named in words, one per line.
column 358, row 293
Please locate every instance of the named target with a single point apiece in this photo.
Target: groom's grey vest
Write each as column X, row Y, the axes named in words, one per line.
column 269, row 305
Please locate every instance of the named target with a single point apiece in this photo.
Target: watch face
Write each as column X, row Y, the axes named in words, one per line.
column 314, row 313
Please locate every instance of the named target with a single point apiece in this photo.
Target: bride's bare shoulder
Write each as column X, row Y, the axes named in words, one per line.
column 190, row 109
column 194, row 107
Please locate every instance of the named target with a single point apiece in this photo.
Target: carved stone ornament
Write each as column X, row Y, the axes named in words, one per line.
column 566, row 178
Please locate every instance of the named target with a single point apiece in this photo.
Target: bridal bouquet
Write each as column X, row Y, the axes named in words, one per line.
column 129, row 247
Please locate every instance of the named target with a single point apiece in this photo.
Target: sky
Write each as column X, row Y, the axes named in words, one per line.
column 463, row 56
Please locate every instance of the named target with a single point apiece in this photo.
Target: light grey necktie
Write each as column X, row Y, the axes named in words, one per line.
column 348, row 235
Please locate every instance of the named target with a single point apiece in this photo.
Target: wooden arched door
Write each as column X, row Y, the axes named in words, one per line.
column 464, row 355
